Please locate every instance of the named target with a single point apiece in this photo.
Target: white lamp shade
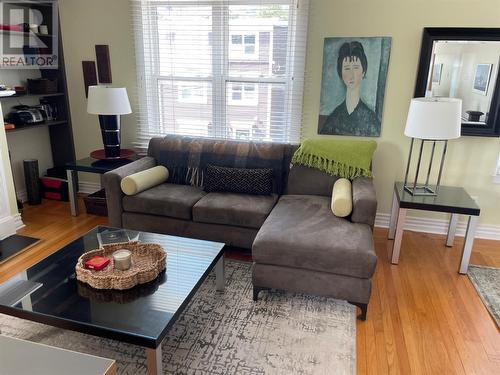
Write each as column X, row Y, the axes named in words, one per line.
column 108, row 101
column 434, row 118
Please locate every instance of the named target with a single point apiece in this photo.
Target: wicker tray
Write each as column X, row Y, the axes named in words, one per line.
column 148, row 261
column 120, row 296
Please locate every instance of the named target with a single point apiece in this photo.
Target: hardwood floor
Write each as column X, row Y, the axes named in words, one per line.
column 53, row 224
column 423, row 317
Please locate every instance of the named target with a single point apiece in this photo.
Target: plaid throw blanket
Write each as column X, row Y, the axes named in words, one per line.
column 187, row 158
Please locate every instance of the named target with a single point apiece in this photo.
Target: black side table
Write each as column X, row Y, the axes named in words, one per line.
column 454, row 200
column 89, row 165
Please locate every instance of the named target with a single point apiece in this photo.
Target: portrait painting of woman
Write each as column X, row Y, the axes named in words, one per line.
column 353, row 85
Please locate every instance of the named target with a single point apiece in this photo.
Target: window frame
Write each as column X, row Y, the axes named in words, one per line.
column 149, row 78
column 240, row 53
column 193, row 99
column 245, row 100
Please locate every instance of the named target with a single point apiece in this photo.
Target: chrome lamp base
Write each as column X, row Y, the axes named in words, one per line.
column 418, row 189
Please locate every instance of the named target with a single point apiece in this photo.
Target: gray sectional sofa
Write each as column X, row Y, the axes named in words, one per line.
column 297, row 243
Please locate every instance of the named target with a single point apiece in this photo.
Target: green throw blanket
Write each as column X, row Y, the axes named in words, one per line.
column 344, row 158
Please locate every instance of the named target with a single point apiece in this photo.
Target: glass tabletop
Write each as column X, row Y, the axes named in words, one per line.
column 48, row 292
column 97, row 166
column 448, row 199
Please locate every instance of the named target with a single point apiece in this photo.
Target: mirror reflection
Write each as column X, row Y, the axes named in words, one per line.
column 465, row 70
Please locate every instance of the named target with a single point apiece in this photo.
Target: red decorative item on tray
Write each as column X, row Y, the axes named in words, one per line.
column 125, row 153
column 96, row 263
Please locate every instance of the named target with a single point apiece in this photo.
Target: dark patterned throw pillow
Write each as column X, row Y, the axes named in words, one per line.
column 238, row 180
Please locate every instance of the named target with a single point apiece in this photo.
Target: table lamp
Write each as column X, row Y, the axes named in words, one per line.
column 431, row 120
column 109, row 103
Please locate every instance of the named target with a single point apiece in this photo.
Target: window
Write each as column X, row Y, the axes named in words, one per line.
column 192, row 93
column 188, row 126
column 205, row 68
column 243, row 94
column 241, row 129
column 243, row 46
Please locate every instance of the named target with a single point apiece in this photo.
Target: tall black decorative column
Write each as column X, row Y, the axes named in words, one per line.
column 32, row 179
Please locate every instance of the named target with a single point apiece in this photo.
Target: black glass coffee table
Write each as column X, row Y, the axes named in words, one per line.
column 49, row 293
column 450, row 199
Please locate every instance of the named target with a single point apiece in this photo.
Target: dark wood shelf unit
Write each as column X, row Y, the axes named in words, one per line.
column 60, row 130
column 25, row 33
column 17, row 96
column 38, row 125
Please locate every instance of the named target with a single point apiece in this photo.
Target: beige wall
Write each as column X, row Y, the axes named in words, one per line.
column 85, row 23
column 471, row 160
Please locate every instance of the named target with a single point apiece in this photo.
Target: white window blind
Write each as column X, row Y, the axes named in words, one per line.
column 220, row 68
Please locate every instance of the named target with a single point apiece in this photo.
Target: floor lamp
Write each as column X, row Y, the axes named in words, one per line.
column 431, row 120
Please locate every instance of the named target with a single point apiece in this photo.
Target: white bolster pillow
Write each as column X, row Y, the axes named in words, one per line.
column 143, row 180
column 342, row 197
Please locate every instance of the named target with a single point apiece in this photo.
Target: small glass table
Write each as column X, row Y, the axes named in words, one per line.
column 89, row 165
column 49, row 293
column 454, row 200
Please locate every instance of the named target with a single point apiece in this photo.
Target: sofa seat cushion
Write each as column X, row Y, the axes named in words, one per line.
column 243, row 210
column 165, row 200
column 302, row 232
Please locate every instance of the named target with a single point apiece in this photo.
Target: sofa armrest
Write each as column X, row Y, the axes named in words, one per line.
column 364, row 201
column 111, row 181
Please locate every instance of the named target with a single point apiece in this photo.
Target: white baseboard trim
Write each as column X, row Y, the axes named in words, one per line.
column 439, row 226
column 18, row 220
column 10, row 224
column 87, row 187
column 22, row 195
column 7, row 227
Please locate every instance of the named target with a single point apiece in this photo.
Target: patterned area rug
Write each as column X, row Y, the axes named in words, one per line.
column 227, row 333
column 486, row 280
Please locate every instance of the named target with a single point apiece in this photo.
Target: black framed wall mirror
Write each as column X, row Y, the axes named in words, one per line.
column 463, row 63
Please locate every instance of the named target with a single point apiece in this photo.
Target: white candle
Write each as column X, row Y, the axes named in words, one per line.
column 122, row 259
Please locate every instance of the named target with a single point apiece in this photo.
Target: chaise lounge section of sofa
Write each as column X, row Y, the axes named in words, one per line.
column 302, row 247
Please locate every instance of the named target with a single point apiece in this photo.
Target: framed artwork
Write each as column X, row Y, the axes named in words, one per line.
column 353, row 85
column 436, row 73
column 482, row 78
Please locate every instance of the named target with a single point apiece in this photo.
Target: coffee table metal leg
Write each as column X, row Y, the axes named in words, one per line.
column 72, row 189
column 394, row 216
column 452, row 228
column 399, row 236
column 220, row 278
column 468, row 242
column 153, row 361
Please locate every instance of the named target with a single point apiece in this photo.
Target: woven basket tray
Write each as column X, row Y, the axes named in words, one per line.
column 120, row 296
column 148, row 261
